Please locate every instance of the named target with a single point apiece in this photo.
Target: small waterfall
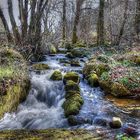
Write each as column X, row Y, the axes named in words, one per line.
column 42, row 108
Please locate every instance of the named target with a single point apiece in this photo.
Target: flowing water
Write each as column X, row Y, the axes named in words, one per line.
column 42, row 108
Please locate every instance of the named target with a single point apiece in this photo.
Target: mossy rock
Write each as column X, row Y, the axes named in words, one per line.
column 101, row 67
column 71, row 93
column 119, row 90
column 9, row 56
column 56, row 76
column 14, row 81
column 72, row 105
column 40, row 66
column 15, row 94
column 105, row 85
column 93, row 80
column 95, row 67
column 72, row 86
column 71, row 76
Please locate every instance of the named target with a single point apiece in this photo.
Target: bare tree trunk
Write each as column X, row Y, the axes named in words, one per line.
column 76, row 20
column 100, row 24
column 13, row 22
column 121, row 31
column 64, row 20
column 9, row 37
column 32, row 20
column 137, row 18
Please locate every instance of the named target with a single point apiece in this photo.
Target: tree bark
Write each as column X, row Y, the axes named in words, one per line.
column 64, row 20
column 76, row 20
column 137, row 18
column 100, row 24
column 121, row 31
column 5, row 24
column 13, row 22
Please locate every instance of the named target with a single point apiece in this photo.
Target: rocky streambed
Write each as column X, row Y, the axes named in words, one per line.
column 49, row 105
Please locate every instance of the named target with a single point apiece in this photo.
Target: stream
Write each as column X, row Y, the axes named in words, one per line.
column 42, row 108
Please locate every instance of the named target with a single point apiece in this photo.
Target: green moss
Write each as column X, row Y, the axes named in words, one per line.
column 72, row 105
column 105, row 85
column 56, row 76
column 93, row 80
column 40, row 66
column 15, row 94
column 71, row 93
column 72, row 86
column 14, row 81
column 119, row 90
column 101, row 67
column 49, row 134
column 71, row 76
column 6, row 72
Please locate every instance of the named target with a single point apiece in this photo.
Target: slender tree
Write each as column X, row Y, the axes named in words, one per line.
column 121, row 30
column 64, row 20
column 5, row 24
column 100, row 23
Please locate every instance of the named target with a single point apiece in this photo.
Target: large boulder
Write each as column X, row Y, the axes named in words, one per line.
column 56, row 76
column 71, row 76
column 14, row 80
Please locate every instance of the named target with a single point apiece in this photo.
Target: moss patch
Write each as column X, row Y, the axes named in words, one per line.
column 71, row 76
column 40, row 66
column 56, row 76
column 93, row 80
column 118, row 74
column 49, row 134
column 14, row 81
